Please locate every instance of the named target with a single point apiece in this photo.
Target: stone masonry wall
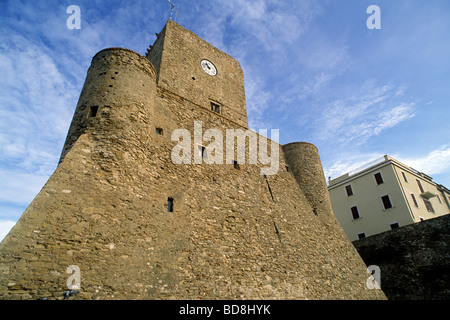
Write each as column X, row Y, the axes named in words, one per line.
column 414, row 260
column 233, row 233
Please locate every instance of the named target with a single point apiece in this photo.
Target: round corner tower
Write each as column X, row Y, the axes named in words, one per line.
column 118, row 96
column 304, row 159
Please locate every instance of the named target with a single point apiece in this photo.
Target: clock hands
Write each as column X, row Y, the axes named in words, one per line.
column 209, row 67
column 206, row 64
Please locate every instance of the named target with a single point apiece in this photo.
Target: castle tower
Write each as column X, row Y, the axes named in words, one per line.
column 304, row 161
column 119, row 82
column 192, row 68
column 139, row 226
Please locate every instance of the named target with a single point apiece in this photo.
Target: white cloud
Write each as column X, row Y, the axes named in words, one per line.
column 435, row 162
column 393, row 117
column 36, row 105
column 346, row 163
column 371, row 123
column 258, row 25
column 5, row 227
column 357, row 118
column 272, row 23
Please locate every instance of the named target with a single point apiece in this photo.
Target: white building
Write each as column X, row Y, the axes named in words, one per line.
column 383, row 195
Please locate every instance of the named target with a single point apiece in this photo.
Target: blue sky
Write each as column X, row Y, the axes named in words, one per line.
column 312, row 69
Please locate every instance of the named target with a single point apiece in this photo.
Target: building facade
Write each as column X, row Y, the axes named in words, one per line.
column 384, row 195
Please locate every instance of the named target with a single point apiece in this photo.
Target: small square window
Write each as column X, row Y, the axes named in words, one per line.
column 159, row 131
column 361, row 235
column 349, row 190
column 378, row 178
column 355, row 212
column 215, row 107
column 394, row 226
column 386, row 202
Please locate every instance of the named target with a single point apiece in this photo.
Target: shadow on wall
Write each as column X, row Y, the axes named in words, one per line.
column 414, row 260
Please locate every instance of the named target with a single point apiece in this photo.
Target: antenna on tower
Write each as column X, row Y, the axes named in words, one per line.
column 171, row 10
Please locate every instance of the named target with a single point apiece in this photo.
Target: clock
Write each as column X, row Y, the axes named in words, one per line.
column 208, row 67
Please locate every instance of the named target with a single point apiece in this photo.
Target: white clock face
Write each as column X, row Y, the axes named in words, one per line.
column 208, row 67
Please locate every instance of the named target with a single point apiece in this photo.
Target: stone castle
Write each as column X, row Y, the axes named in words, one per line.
column 136, row 225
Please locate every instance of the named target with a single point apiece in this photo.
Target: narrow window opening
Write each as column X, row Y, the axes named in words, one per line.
column 236, row 165
column 428, row 206
column 93, row 111
column 386, row 202
column 270, row 190
column 361, row 235
column 420, row 186
column 349, row 190
column 404, row 176
column 287, row 168
column 170, row 204
column 193, row 78
column 414, row 201
column 378, row 178
column 355, row 213
column 159, row 131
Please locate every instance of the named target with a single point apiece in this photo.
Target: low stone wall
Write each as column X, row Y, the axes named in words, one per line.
column 414, row 260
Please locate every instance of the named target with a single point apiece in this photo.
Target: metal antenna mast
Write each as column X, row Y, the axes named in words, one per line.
column 171, row 10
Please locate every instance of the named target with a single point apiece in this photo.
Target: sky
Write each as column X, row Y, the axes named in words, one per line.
column 313, row 69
